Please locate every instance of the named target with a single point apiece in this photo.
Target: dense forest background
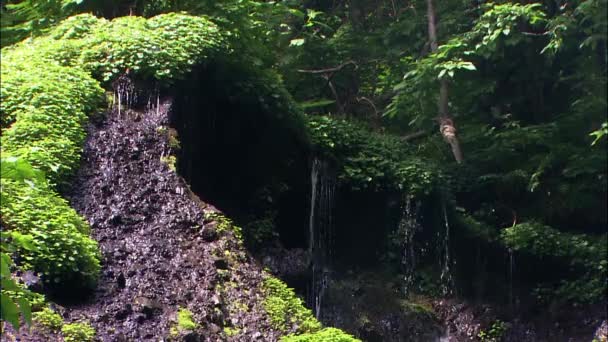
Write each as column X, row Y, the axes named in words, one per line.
column 485, row 118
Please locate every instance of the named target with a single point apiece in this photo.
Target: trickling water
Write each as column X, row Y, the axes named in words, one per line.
column 511, row 266
column 124, row 90
column 320, row 231
column 446, row 275
column 408, row 226
column 314, row 177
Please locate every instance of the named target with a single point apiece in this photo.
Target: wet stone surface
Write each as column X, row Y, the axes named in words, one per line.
column 157, row 253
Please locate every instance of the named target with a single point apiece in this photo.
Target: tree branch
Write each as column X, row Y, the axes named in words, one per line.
column 329, row 70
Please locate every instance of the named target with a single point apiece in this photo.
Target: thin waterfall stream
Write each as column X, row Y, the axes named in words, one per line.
column 446, row 274
column 407, row 229
column 320, row 231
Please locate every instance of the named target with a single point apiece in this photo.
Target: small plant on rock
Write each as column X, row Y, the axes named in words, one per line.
column 48, row 318
column 78, row 332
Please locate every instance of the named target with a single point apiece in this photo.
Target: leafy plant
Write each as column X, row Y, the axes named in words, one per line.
column 324, row 335
column 494, row 333
column 48, row 319
column 285, row 309
column 78, row 332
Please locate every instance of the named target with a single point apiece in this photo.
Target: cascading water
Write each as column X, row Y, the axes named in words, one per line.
column 127, row 94
column 408, row 226
column 124, row 93
column 446, row 274
column 320, row 231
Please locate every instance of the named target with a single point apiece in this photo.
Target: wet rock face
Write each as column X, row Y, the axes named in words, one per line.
column 158, row 252
column 371, row 306
column 466, row 321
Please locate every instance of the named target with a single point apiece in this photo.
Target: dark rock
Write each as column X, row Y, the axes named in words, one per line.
column 148, row 306
column 121, row 281
column 221, row 264
column 124, row 313
column 209, row 233
column 140, row 319
column 192, row 337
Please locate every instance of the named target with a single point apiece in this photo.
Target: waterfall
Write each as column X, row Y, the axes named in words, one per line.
column 446, row 274
column 320, row 231
column 408, row 226
column 124, row 90
column 512, row 300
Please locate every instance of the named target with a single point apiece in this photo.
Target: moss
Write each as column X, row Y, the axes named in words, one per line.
column 170, row 161
column 285, row 309
column 325, row 335
column 185, row 319
column 224, row 224
column 48, row 318
column 78, row 332
column 230, row 332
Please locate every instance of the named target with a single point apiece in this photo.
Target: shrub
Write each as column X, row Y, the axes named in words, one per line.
column 78, row 332
column 583, row 253
column 371, row 161
column 48, row 319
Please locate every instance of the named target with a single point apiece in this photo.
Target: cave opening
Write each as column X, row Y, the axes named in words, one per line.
column 237, row 155
column 249, row 162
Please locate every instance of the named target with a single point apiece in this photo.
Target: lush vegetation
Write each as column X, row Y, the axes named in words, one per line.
column 365, row 86
column 284, row 306
column 48, row 93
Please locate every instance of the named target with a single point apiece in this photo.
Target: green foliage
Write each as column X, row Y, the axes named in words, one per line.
column 31, row 17
column 230, row 332
column 164, row 47
column 582, row 252
column 324, row 335
column 260, row 231
column 494, row 333
column 47, row 95
column 224, row 224
column 170, row 161
column 285, row 309
column 185, row 320
column 14, row 297
column 499, row 27
column 598, row 134
column 62, row 251
column 78, row 332
column 372, row 161
column 48, row 319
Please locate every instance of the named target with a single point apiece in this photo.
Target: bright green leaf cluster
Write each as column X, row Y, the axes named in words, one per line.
column 285, row 309
column 324, row 335
column 48, row 319
column 78, row 332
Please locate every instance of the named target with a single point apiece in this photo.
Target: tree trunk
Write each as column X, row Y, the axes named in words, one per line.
column 446, row 124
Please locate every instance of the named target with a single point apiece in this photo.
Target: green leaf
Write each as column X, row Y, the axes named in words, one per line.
column 26, row 310
column 9, row 311
column 297, row 42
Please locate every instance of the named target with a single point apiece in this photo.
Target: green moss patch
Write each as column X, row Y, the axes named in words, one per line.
column 325, row 335
column 285, row 309
column 78, row 332
column 50, row 85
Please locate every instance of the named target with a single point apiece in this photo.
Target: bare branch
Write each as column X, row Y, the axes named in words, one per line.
column 329, row 70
